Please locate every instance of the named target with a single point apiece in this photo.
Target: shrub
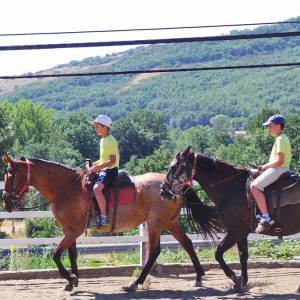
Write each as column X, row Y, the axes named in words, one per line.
column 42, row 228
column 3, row 235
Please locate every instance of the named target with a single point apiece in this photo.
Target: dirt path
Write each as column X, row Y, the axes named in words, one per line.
column 278, row 283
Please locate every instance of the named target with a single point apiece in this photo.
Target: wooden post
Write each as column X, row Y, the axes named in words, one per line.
column 144, row 246
column 13, row 229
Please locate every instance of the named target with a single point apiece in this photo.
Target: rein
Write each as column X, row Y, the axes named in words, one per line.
column 226, row 179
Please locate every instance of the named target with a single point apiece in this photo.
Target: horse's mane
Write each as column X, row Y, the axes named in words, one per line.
column 211, row 162
column 56, row 165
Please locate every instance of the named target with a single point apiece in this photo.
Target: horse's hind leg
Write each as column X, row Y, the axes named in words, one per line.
column 154, row 250
column 243, row 254
column 187, row 244
column 66, row 242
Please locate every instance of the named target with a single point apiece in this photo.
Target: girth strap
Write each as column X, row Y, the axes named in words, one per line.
column 116, row 192
column 278, row 228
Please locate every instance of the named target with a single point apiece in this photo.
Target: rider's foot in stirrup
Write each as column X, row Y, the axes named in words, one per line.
column 102, row 220
column 264, row 224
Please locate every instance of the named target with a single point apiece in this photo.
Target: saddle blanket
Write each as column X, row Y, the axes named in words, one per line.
column 125, row 195
column 288, row 196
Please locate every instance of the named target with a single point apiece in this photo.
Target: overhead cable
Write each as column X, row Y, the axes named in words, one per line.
column 131, row 72
column 148, row 29
column 152, row 41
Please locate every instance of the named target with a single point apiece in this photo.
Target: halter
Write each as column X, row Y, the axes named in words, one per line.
column 189, row 182
column 17, row 199
column 167, row 189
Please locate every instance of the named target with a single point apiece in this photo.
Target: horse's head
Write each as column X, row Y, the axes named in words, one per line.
column 180, row 174
column 16, row 182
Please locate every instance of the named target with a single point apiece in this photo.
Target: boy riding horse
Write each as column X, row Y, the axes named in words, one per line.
column 279, row 163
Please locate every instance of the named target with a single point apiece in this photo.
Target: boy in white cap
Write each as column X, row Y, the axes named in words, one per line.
column 107, row 166
column 279, row 163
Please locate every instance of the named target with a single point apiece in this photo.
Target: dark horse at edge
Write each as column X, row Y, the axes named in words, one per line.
column 225, row 185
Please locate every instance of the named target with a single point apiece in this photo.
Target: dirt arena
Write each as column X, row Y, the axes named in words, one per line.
column 264, row 283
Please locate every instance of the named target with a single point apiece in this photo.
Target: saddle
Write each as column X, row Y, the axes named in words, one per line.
column 121, row 192
column 284, row 191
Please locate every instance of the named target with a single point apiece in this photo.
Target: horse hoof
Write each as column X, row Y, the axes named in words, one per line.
column 132, row 287
column 74, row 281
column 68, row 287
column 198, row 283
column 238, row 286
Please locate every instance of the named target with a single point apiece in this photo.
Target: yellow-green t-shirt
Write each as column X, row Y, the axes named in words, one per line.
column 109, row 146
column 282, row 144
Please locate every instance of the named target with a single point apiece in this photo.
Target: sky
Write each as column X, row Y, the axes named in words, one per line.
column 19, row 16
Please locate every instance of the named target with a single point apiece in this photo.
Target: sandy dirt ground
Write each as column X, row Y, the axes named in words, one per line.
column 278, row 283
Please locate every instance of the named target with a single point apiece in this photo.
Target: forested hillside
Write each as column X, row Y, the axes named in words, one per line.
column 185, row 99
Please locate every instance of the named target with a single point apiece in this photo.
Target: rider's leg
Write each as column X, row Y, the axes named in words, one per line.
column 98, row 191
column 259, row 198
column 257, row 189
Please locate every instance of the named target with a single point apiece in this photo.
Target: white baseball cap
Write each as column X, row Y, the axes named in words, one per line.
column 104, row 120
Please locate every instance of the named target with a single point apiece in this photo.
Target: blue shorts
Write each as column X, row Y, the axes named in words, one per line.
column 107, row 176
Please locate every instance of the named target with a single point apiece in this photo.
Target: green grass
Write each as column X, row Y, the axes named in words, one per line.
column 258, row 251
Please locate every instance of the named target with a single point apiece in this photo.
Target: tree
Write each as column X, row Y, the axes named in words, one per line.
column 292, row 130
column 32, row 122
column 140, row 133
column 197, row 137
column 6, row 131
column 158, row 161
column 78, row 130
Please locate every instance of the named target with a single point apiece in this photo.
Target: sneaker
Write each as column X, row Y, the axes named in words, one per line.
column 102, row 220
column 264, row 225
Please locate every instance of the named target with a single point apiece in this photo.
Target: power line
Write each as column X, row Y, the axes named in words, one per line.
column 151, row 41
column 131, row 72
column 147, row 29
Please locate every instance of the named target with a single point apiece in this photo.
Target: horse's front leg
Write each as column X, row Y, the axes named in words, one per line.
column 243, row 254
column 229, row 240
column 67, row 241
column 154, row 251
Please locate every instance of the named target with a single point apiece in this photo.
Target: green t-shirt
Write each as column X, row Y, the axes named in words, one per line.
column 282, row 144
column 109, row 146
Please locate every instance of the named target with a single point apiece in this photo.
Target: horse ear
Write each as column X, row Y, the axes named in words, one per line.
column 7, row 159
column 186, row 151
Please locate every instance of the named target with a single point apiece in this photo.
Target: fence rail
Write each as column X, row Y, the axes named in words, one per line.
column 113, row 241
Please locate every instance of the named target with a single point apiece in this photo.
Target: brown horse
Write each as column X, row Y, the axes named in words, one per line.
column 62, row 187
column 226, row 187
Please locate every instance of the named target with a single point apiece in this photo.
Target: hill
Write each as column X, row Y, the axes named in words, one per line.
column 186, row 99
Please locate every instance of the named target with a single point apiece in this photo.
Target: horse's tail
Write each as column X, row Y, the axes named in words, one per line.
column 202, row 218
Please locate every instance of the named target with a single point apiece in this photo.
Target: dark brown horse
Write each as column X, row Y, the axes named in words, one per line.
column 62, row 187
column 226, row 187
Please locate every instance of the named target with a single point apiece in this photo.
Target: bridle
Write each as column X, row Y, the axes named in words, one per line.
column 15, row 198
column 167, row 189
column 189, row 182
